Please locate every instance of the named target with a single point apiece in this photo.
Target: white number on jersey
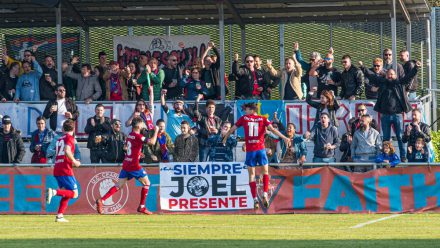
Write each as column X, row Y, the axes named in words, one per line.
column 253, row 129
column 60, row 148
column 128, row 148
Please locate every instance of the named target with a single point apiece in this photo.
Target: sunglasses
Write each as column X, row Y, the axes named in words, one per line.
column 327, row 59
column 376, row 65
column 387, row 54
column 249, row 61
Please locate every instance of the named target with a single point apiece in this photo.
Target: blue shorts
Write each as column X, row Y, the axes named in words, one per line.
column 133, row 174
column 67, row 182
column 255, row 158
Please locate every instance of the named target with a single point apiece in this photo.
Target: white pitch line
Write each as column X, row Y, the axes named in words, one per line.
column 374, row 221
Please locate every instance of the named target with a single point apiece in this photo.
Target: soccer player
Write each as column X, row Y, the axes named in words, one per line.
column 131, row 167
column 63, row 172
column 254, row 130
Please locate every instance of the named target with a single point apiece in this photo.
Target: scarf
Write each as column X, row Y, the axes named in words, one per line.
column 148, row 120
column 162, row 138
column 115, row 88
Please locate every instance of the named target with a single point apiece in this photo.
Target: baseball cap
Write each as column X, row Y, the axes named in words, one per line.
column 6, row 120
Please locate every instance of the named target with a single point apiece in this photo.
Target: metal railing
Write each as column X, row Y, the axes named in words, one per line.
column 337, row 164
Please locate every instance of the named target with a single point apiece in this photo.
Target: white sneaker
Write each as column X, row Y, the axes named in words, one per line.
column 61, row 219
column 49, row 194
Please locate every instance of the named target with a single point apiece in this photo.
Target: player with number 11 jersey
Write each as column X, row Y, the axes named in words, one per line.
column 131, row 167
column 254, row 129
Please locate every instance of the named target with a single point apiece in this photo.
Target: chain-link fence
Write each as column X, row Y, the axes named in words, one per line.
column 363, row 41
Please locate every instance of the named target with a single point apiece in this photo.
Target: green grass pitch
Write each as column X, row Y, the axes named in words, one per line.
column 123, row 231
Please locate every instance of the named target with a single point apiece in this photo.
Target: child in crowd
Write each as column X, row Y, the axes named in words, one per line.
column 418, row 153
column 388, row 155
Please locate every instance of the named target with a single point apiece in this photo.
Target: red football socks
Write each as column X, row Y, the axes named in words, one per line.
column 63, row 204
column 253, row 186
column 265, row 183
column 144, row 193
column 65, row 193
column 110, row 192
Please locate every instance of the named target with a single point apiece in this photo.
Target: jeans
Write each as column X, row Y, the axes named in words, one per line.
column 396, row 121
column 363, row 159
column 324, row 160
column 203, row 153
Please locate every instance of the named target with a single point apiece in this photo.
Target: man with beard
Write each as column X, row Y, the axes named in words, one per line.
column 48, row 81
column 173, row 75
column 416, row 129
column 162, row 150
column 328, row 76
column 60, row 110
column 392, row 102
column 114, row 143
column 175, row 116
column 366, row 143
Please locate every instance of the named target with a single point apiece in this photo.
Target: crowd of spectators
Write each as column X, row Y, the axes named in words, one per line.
column 190, row 135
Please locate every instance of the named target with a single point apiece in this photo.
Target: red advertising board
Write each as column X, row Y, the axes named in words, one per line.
column 318, row 190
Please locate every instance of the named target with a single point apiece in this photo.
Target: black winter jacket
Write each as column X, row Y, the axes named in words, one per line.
column 392, row 92
column 114, row 143
column 352, row 83
column 245, row 84
column 102, row 129
column 15, row 147
column 70, row 106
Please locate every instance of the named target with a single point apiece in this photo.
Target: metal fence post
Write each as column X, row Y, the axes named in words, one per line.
column 281, row 45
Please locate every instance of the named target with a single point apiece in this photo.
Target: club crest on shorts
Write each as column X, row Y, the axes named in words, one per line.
column 99, row 185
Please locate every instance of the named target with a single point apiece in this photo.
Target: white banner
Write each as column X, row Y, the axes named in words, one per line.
column 303, row 115
column 127, row 48
column 204, row 186
column 24, row 115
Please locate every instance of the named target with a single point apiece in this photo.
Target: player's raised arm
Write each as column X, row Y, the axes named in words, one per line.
column 231, row 131
column 69, row 154
column 275, row 131
column 153, row 139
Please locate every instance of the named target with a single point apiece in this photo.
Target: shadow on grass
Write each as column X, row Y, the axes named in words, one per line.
column 208, row 243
